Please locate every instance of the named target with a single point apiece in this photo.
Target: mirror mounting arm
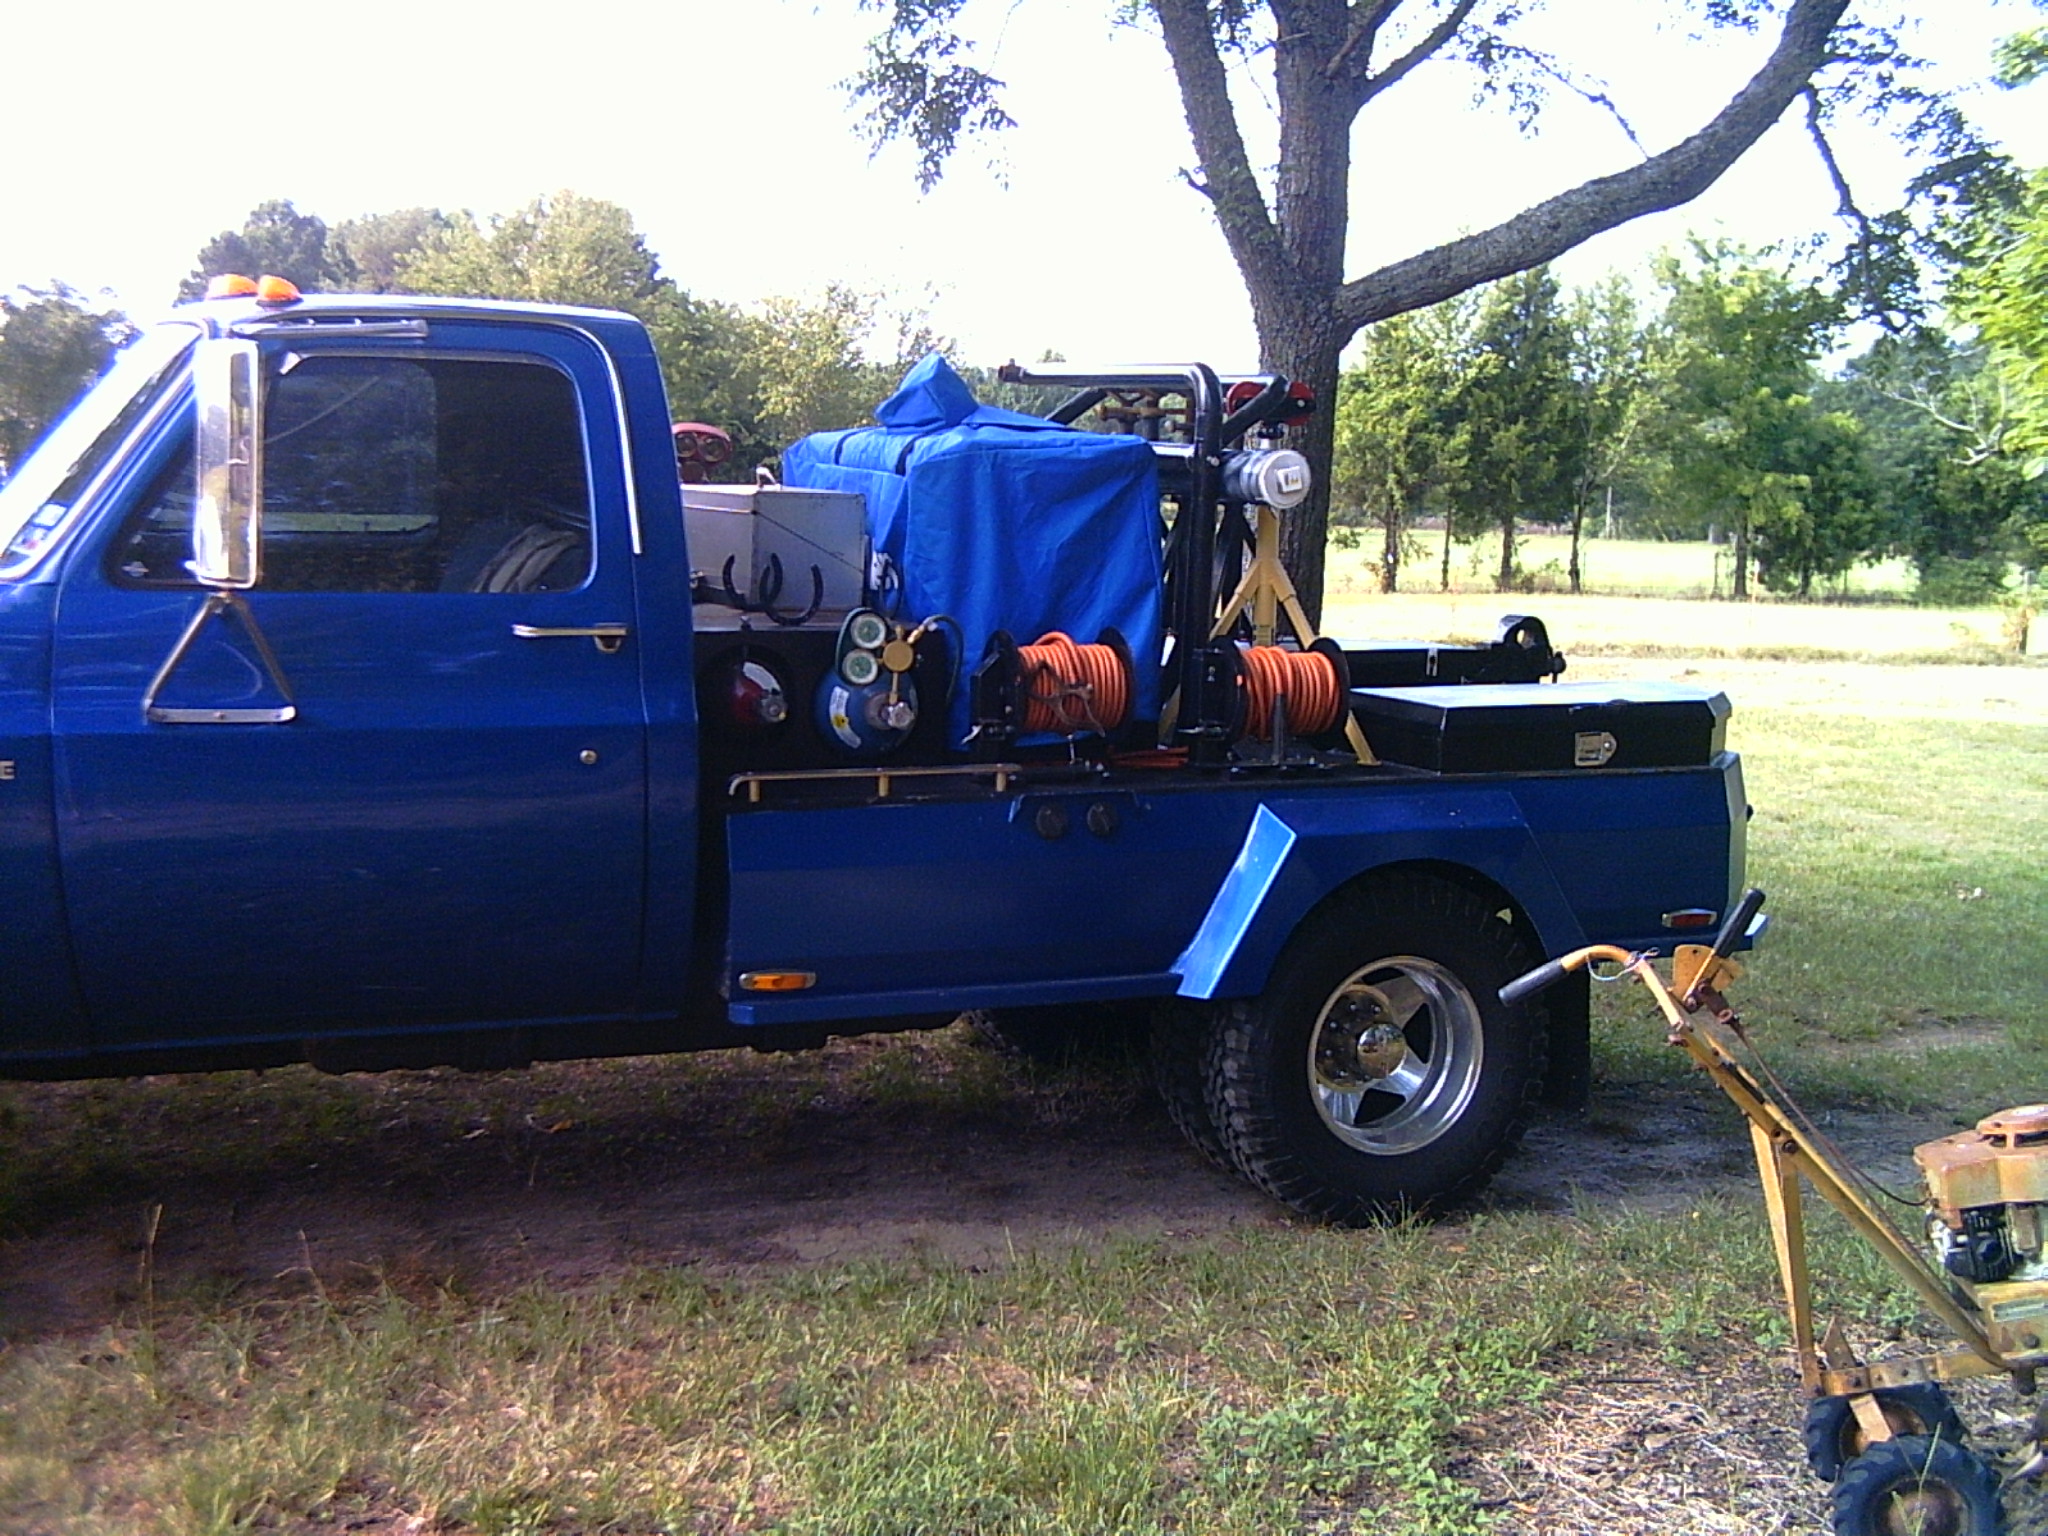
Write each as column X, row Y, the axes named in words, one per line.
column 220, row 601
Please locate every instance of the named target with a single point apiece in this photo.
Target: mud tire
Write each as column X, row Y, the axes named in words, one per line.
column 1420, row 954
column 1180, row 1047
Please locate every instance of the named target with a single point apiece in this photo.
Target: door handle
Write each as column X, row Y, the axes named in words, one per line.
column 607, row 637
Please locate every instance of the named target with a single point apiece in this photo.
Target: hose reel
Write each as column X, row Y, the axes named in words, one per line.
column 1054, row 686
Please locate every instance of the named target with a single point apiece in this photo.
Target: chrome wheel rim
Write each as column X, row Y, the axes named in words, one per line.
column 1395, row 1056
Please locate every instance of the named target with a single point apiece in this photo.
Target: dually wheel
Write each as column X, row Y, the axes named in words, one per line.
column 1379, row 1073
column 1181, row 1041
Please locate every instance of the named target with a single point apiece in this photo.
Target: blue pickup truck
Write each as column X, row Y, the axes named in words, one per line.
column 372, row 694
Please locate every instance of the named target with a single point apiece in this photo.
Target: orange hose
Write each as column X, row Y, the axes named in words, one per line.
column 1071, row 688
column 1309, row 679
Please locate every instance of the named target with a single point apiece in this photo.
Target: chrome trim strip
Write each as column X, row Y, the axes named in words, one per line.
column 339, row 325
column 160, row 715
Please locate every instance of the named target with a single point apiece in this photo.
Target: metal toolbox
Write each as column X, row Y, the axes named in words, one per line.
column 1530, row 727
column 761, row 528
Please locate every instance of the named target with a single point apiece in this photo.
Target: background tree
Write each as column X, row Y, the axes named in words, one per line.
column 1393, row 428
column 1744, row 337
column 826, row 363
column 564, row 249
column 1520, row 452
column 2003, row 292
column 372, row 252
column 276, row 239
column 53, row 343
column 1936, row 417
column 1330, row 61
column 1815, row 515
column 1615, row 359
column 766, row 375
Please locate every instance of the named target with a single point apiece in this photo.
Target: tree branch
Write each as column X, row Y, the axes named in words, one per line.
column 1366, row 20
column 1226, row 176
column 1665, row 180
column 1371, row 85
column 1845, row 200
column 1583, row 89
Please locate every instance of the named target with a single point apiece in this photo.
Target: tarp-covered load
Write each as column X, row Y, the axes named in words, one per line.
column 1002, row 520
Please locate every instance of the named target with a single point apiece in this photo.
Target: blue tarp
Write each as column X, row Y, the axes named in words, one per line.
column 1003, row 521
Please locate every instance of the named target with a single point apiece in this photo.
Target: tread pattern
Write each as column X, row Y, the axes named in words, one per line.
column 1181, row 1034
column 1864, row 1492
column 1257, row 1082
column 1831, row 1434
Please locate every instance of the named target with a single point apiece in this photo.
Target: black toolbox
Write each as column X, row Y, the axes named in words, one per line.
column 1543, row 727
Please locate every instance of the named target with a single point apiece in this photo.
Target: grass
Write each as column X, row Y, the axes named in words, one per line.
column 1608, row 567
column 1266, row 1382
column 1907, row 862
column 1259, row 1379
column 1667, row 581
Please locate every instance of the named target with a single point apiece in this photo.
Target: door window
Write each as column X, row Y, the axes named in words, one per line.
column 399, row 474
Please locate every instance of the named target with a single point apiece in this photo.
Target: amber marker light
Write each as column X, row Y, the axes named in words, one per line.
column 274, row 290
column 777, row 981
column 231, row 285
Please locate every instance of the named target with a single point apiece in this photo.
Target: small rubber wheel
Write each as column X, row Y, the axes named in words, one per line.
column 1180, row 1046
column 1379, row 1074
column 1834, row 1438
column 1913, row 1486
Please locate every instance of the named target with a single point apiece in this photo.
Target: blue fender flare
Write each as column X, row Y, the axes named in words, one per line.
column 1300, row 849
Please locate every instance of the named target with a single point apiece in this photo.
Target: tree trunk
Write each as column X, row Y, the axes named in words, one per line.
column 1306, row 349
column 1739, row 589
column 1444, row 579
column 1578, row 530
column 1504, row 580
column 1391, row 517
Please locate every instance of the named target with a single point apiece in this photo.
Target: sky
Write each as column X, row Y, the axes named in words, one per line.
column 130, row 133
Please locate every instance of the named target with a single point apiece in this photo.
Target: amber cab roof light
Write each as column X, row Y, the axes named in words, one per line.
column 231, row 285
column 267, row 289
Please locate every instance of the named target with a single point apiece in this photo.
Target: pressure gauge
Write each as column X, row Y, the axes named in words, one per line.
column 859, row 667
column 867, row 630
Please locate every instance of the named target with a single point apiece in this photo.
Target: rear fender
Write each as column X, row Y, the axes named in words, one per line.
column 1299, row 850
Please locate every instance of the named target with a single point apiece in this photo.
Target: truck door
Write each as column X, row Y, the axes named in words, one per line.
column 426, row 805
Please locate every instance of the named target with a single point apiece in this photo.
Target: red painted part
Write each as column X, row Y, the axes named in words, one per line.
column 700, row 448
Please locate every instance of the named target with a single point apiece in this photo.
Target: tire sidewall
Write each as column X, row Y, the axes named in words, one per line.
column 1268, row 1111
column 1868, row 1481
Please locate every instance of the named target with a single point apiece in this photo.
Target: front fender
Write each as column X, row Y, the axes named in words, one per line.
column 1299, row 849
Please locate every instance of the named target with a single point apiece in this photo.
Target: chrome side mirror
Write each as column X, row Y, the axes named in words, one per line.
column 227, row 518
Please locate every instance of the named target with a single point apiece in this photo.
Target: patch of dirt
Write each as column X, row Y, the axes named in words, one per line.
column 571, row 1172
column 577, row 1171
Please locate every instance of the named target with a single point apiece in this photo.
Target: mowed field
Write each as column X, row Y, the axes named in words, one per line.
column 917, row 1286
column 1667, row 582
